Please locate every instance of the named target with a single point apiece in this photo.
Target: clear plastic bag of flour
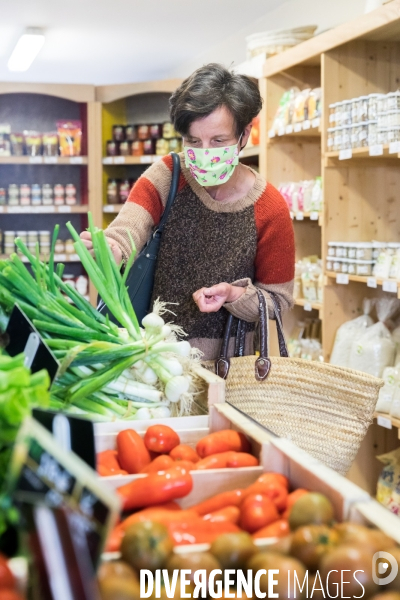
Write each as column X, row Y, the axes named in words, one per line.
column 375, row 350
column 348, row 332
column 391, row 377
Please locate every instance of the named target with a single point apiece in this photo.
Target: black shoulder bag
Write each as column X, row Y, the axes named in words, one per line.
column 140, row 281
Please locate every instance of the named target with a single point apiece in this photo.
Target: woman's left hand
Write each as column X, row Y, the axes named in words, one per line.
column 211, row 299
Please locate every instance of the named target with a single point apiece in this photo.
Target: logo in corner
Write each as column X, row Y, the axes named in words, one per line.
column 382, row 563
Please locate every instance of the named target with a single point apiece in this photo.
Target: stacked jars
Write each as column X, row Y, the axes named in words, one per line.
column 32, row 238
column 380, row 259
column 364, row 122
column 118, row 190
column 139, row 140
column 38, row 195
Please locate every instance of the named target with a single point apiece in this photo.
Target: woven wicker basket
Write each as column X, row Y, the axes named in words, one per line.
column 325, row 410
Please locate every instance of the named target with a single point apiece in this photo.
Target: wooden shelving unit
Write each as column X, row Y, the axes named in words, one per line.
column 361, row 201
column 58, row 258
column 43, row 160
column 45, row 210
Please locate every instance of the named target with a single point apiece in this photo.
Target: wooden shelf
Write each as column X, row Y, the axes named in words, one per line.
column 363, row 153
column 308, row 306
column 385, row 420
column 297, row 131
column 44, row 210
column 249, row 152
column 63, row 258
column 44, row 160
column 112, row 208
column 368, row 281
column 131, row 160
column 313, row 216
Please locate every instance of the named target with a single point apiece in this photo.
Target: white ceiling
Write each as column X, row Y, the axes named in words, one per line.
column 118, row 41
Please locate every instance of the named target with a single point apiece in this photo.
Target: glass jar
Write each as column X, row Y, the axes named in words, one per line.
column 352, row 251
column 332, row 248
column 329, row 264
column 355, row 135
column 340, row 250
column 9, row 237
column 383, row 120
column 346, row 112
column 44, row 237
column 383, row 262
column 175, row 144
column 337, row 265
column 372, row 133
column 393, row 134
column 394, row 265
column 393, row 101
column 363, row 109
column 355, row 110
column 168, row 131
column 69, row 246
column 345, row 266
column 17, row 144
column 364, row 267
column 332, row 115
column 364, row 250
column 33, row 143
column 112, row 191
column 352, row 267
column 3, row 196
column 118, row 133
column 32, row 237
column 382, row 104
column 363, row 135
column 330, row 138
column 50, row 144
column 59, row 247
column 382, row 136
column 337, row 140
column 131, row 133
column 394, row 118
column 373, row 106
column 59, row 189
column 346, row 137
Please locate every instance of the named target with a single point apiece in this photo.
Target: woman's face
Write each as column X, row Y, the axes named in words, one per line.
column 215, row 131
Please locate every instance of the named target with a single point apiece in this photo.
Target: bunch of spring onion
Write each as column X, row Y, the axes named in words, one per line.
column 106, row 370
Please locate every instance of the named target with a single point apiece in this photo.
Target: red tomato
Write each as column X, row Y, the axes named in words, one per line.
column 276, row 478
column 229, row 514
column 185, row 464
column 133, row 455
column 161, row 438
column 222, row 441
column 156, row 488
column 184, row 452
column 278, row 529
column 7, row 579
column 276, row 492
column 161, row 463
column 257, row 511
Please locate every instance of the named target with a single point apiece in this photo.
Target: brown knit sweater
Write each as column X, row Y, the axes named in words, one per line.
column 248, row 243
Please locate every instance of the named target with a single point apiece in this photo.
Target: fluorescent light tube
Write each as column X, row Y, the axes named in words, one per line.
column 26, row 50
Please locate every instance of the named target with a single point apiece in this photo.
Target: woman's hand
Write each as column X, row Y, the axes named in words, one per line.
column 211, row 299
column 86, row 237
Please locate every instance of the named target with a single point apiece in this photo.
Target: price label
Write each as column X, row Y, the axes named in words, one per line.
column 390, row 286
column 345, row 154
column 50, row 160
column 108, row 209
column 376, row 150
column 289, row 129
column 156, row 158
column 298, row 127
column 74, row 258
column 145, row 159
column 314, row 216
column 342, row 278
column 119, row 160
column 394, row 147
column 371, row 282
column 35, row 160
column 16, row 210
column 41, row 209
column 107, row 160
column 384, row 422
column 60, row 257
column 64, row 209
column 271, row 133
column 307, row 124
column 308, row 306
column 281, row 131
column 316, row 122
column 300, row 216
column 76, row 160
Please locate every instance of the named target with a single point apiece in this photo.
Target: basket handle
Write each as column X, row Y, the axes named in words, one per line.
column 263, row 362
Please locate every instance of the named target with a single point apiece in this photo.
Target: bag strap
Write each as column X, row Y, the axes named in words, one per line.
column 263, row 362
column 176, row 171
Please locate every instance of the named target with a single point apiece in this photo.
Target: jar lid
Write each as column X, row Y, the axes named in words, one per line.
column 363, row 98
column 376, row 95
column 363, row 244
column 44, row 232
column 358, row 261
column 393, row 245
column 333, row 243
column 333, row 105
column 396, row 93
column 379, row 244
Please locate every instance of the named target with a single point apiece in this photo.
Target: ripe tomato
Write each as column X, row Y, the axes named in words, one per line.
column 311, row 542
column 184, row 452
column 278, row 529
column 161, row 463
column 275, row 491
column 257, row 511
column 223, row 441
column 161, row 438
column 275, row 478
column 7, row 579
column 133, row 455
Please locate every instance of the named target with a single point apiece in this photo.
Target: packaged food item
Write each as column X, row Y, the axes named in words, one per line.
column 47, row 194
column 3, row 196
column 391, row 377
column 137, row 148
column 36, row 194
column 69, row 246
column 347, row 333
column 44, row 237
column 70, row 137
column 112, row 191
column 59, row 247
column 124, row 148
column 5, row 144
column 364, row 267
column 388, row 488
column 168, row 131
column 33, row 143
column 175, row 145
column 82, row 285
column 300, row 103
column 149, row 146
column 156, row 131
column 363, row 109
column 70, row 194
column 383, row 262
column 112, row 148
column 50, row 144
column 372, row 133
column 17, row 144
column 118, row 133
column 32, row 237
column 124, row 189
column 131, row 133
column 393, row 101
column 394, row 270
column 375, row 349
column 143, row 132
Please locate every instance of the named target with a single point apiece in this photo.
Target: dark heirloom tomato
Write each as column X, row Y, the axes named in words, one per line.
column 311, row 542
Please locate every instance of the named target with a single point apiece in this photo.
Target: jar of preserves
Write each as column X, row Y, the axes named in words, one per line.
column 32, row 237
column 44, row 237
column 143, row 132
column 156, row 131
column 24, row 189
column 131, row 133
column 162, row 147
column 124, row 189
column 59, row 190
column 112, row 191
column 69, row 246
column 125, row 148
column 137, row 148
column 112, row 148
column 47, row 194
column 70, row 189
column 149, row 146
column 118, row 133
column 168, row 131
column 25, row 200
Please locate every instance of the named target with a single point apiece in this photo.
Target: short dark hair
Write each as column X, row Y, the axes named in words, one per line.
column 210, row 87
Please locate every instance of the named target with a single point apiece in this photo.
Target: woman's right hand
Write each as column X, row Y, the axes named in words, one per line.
column 86, row 237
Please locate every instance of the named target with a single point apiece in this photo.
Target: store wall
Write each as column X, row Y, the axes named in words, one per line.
column 292, row 13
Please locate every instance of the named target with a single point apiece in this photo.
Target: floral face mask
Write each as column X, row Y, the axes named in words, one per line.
column 212, row 166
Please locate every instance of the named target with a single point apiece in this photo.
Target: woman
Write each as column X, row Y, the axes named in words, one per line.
column 228, row 232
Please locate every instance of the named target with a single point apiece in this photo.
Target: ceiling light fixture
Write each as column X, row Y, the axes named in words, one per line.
column 26, row 50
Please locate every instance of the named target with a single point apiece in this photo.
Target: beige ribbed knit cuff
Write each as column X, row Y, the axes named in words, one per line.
column 247, row 307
